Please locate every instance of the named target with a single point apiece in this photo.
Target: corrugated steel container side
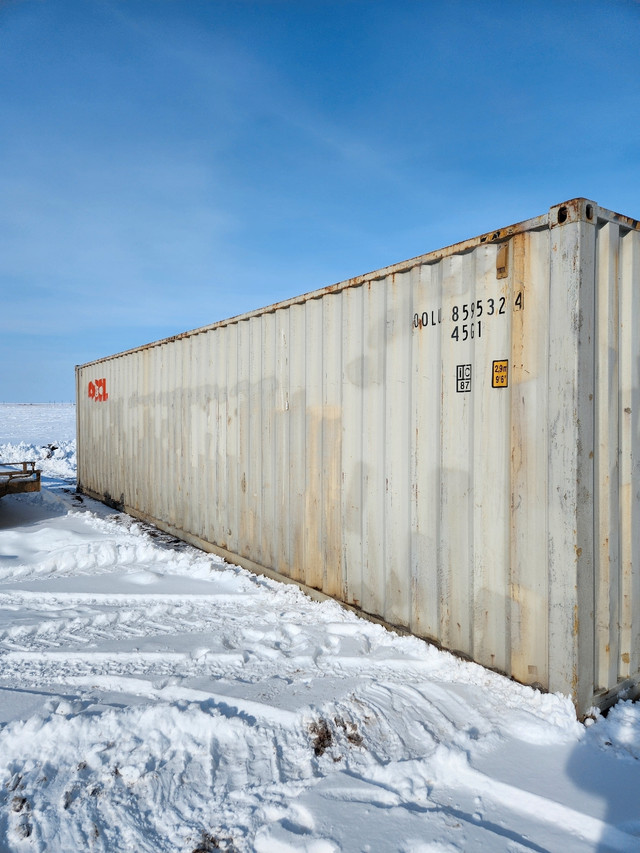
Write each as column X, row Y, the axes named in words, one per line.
column 450, row 444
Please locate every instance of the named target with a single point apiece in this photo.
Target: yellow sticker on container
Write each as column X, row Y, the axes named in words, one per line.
column 500, row 376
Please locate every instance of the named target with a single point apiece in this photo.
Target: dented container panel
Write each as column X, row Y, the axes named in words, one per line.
column 449, row 444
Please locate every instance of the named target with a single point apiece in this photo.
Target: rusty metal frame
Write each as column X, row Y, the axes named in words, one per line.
column 18, row 477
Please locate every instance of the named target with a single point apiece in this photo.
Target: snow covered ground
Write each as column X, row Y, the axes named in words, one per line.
column 154, row 698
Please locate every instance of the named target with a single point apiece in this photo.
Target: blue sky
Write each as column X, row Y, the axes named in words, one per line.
column 166, row 163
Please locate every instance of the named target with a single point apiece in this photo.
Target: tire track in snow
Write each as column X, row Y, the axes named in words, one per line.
column 234, row 630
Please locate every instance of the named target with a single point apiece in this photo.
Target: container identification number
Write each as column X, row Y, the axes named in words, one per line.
column 464, row 331
column 466, row 317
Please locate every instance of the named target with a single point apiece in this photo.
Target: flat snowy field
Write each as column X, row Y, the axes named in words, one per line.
column 154, row 698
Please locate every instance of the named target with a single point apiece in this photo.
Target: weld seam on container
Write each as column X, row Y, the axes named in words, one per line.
column 449, row 445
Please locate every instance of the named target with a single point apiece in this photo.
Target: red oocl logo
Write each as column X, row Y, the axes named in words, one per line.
column 98, row 390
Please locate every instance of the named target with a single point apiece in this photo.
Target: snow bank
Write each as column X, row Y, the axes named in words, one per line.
column 46, row 436
column 56, row 461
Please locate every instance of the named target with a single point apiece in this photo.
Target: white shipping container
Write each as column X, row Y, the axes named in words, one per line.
column 450, row 444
